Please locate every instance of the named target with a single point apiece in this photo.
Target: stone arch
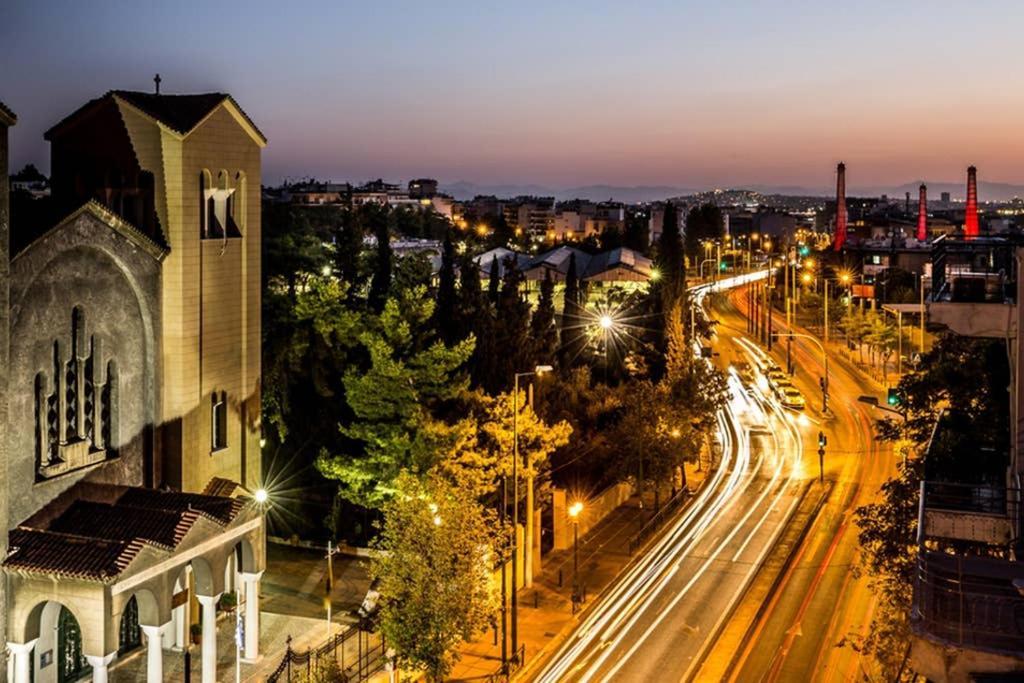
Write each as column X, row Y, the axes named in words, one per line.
column 241, row 200
column 205, row 186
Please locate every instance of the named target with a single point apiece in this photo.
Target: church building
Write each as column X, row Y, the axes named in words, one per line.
column 130, row 391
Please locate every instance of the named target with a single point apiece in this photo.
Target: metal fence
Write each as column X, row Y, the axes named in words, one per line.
column 970, row 601
column 302, row 666
column 504, row 673
column 648, row 529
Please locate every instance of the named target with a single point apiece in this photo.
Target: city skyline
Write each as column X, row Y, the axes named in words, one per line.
column 694, row 97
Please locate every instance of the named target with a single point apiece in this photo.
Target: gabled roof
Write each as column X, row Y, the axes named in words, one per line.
column 7, row 117
column 111, row 220
column 80, row 557
column 178, row 113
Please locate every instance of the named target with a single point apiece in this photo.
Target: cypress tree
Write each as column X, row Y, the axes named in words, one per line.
column 381, row 282
column 511, row 330
column 493, row 282
column 543, row 331
column 571, row 299
column 445, row 319
column 670, row 254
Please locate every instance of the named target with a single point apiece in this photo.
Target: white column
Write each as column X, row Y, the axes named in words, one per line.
column 99, row 666
column 154, row 655
column 250, row 583
column 209, row 604
column 21, row 655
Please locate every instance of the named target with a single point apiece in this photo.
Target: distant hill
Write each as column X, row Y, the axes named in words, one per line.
column 464, row 190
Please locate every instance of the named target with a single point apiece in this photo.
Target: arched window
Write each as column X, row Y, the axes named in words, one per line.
column 108, row 408
column 219, row 421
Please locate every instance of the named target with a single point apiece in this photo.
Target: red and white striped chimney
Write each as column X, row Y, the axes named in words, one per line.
column 922, row 214
column 840, row 233
column 971, row 215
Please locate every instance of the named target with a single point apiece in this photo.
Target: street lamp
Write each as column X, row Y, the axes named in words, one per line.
column 528, row 535
column 261, row 496
column 574, row 514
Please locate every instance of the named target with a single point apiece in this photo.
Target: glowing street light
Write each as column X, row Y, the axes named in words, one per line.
column 574, row 514
column 261, row 496
column 606, row 322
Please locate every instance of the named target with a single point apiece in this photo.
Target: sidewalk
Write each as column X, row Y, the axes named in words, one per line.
column 545, row 610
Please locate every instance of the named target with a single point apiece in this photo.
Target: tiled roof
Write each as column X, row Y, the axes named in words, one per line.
column 180, row 113
column 98, row 535
column 68, row 555
column 219, row 486
column 221, row 509
column 125, row 523
column 7, row 116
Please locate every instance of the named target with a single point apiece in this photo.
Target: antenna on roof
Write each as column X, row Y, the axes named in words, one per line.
column 156, row 80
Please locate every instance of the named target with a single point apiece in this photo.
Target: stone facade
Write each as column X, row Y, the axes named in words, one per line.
column 83, row 264
column 7, row 119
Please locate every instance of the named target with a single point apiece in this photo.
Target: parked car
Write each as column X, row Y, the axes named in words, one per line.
column 777, row 374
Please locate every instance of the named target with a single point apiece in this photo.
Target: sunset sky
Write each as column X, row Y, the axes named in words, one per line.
column 678, row 93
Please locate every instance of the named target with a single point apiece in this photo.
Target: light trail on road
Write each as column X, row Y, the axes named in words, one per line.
column 706, row 557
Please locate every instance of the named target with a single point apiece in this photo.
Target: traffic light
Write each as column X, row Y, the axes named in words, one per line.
column 892, row 398
column 822, row 440
column 804, row 250
column 721, row 266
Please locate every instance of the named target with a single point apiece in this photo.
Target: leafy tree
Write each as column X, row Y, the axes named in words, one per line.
column 483, row 451
column 703, row 222
column 395, row 403
column 381, row 283
column 445, row 314
column 437, row 551
column 543, row 331
column 637, row 233
column 293, row 252
column 348, row 251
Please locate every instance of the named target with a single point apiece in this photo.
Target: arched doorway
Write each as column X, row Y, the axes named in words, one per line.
column 71, row 662
column 130, row 636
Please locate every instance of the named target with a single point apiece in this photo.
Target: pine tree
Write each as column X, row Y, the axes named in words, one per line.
column 543, row 332
column 445, row 314
column 571, row 299
column 381, row 282
column 572, row 335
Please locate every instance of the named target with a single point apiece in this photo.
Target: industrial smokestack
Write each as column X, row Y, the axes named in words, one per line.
column 922, row 214
column 906, row 205
column 971, row 215
column 840, row 233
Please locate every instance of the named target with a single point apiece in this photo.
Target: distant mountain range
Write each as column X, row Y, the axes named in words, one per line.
column 987, row 191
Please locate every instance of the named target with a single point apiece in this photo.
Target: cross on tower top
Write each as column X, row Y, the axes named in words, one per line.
column 156, row 80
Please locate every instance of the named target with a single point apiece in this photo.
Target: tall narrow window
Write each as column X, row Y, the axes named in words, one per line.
column 219, row 421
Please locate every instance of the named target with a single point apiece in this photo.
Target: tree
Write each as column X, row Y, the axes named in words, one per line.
column 704, row 222
column 670, row 255
column 292, row 250
column 483, row 452
column 543, row 331
column 437, row 555
column 494, row 281
column 637, row 233
column 381, row 283
column 395, row 403
column 445, row 314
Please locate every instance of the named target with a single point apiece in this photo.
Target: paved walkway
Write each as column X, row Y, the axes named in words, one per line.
column 545, row 610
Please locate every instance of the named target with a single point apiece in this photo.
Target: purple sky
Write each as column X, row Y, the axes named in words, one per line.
column 677, row 93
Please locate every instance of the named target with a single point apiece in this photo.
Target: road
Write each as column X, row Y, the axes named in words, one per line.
column 660, row 617
column 818, row 602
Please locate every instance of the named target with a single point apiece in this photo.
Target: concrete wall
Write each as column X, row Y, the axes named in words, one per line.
column 594, row 511
column 83, row 263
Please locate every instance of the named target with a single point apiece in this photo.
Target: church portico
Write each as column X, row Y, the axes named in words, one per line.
column 118, row 568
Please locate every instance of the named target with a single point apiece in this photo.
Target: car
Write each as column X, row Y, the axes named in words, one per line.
column 780, row 386
column 776, row 374
column 744, row 372
column 791, row 398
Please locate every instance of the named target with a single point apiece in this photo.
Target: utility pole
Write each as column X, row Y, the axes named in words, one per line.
column 825, row 338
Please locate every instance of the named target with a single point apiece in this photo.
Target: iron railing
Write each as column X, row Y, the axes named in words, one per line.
column 652, row 525
column 370, row 657
column 970, row 498
column 970, row 602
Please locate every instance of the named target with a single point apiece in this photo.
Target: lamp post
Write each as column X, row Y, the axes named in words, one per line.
column 528, row 535
column 574, row 514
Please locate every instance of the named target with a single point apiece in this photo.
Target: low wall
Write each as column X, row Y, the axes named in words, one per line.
column 594, row 510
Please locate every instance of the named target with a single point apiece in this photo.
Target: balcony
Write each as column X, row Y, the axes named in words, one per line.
column 974, row 286
column 968, row 512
